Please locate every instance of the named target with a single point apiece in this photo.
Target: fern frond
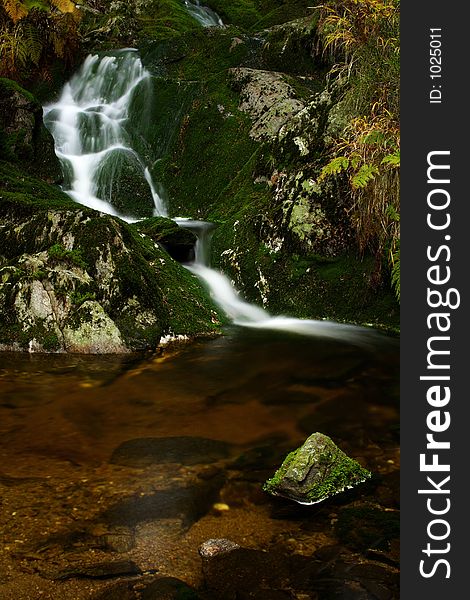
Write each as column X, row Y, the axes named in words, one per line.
column 392, row 160
column 335, row 166
column 365, row 174
column 395, row 276
column 15, row 9
column 32, row 39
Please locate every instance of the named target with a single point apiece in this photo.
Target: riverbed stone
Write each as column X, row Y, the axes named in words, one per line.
column 316, row 471
column 103, row 570
column 185, row 503
column 159, row 588
column 187, row 450
column 232, row 572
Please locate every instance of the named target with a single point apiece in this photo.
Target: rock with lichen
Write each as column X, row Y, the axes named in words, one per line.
column 315, row 471
column 76, row 280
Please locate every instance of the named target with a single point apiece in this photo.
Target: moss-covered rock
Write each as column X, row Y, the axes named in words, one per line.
column 75, row 280
column 178, row 241
column 316, row 471
column 121, row 182
column 23, row 137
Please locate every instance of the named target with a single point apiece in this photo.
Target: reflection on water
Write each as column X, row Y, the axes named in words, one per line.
column 258, row 393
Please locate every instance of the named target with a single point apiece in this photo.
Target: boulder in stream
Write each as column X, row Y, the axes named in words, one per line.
column 315, row 471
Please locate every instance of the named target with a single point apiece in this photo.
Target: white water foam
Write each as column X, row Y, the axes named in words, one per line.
column 203, row 14
column 88, row 124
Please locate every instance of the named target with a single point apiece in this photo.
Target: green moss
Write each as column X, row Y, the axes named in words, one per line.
column 255, row 15
column 50, row 342
column 316, row 471
column 79, row 298
column 243, row 13
column 8, row 85
column 272, row 484
column 58, row 252
column 30, row 189
column 340, row 477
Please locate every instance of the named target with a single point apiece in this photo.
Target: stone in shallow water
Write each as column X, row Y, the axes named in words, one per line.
column 315, row 471
column 185, row 450
column 104, row 570
column 161, row 588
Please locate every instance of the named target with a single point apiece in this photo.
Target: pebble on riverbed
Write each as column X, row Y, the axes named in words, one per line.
column 315, row 471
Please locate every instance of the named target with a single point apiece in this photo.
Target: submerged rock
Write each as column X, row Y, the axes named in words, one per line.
column 186, row 450
column 316, row 471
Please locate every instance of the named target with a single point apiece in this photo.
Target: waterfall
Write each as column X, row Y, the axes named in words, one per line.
column 89, row 124
column 203, row 14
column 90, row 127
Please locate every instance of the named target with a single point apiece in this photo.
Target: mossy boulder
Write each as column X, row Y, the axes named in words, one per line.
column 316, row 471
column 23, row 137
column 76, row 280
column 178, row 241
column 121, row 182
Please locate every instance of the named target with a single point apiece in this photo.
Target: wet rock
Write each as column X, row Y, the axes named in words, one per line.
column 178, row 241
column 121, row 182
column 316, row 471
column 105, row 570
column 75, row 280
column 364, row 526
column 168, row 588
column 353, row 581
column 232, row 572
column 215, row 547
column 185, row 450
column 186, row 503
column 161, row 588
column 23, row 136
column 119, row 539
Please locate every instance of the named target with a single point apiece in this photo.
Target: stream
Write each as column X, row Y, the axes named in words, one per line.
column 115, row 470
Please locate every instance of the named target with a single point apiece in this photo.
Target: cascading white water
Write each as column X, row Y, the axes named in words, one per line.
column 89, row 128
column 89, row 122
column 203, row 14
column 249, row 315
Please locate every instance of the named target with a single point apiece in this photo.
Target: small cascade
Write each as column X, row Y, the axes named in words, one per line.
column 245, row 314
column 203, row 14
column 89, row 124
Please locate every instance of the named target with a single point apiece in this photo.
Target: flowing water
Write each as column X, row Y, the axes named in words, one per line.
column 112, row 463
column 203, row 14
column 90, row 126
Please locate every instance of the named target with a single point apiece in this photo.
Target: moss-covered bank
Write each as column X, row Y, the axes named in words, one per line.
column 247, row 148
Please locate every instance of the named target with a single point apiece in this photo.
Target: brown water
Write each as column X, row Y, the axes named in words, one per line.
column 68, row 513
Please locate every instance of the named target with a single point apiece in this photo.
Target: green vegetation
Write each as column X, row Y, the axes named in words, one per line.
column 362, row 38
column 287, row 140
column 34, row 32
column 58, row 252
